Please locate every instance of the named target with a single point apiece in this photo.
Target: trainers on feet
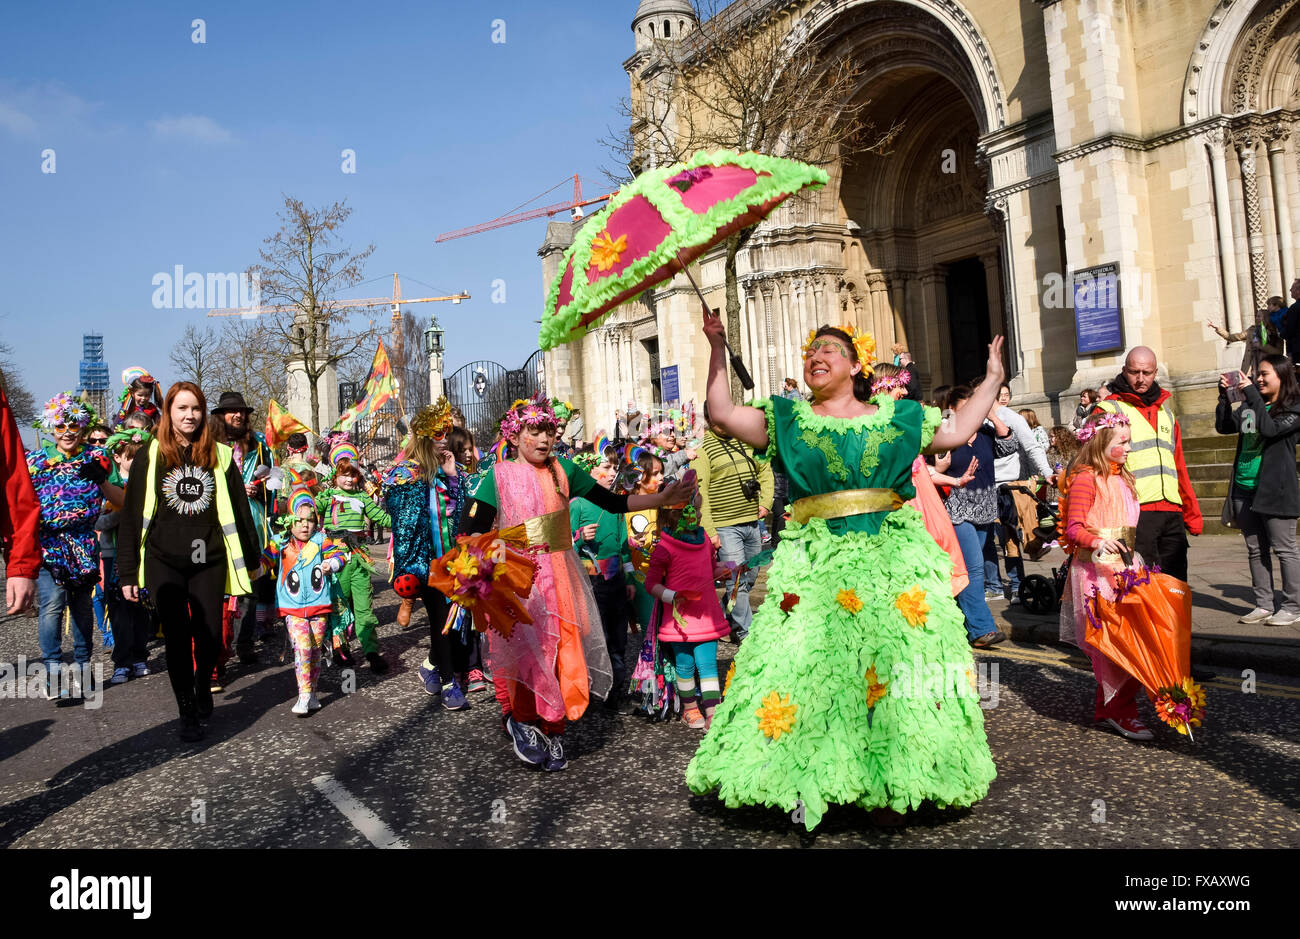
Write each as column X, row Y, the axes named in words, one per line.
column 302, row 705
column 140, row 670
column 989, row 639
column 1283, row 618
column 431, row 680
column 1130, row 727
column 453, row 699
column 529, row 743
column 312, row 703
column 1257, row 615
column 476, row 681
column 555, row 760
column 992, row 594
column 377, row 663
column 120, row 676
column 693, row 718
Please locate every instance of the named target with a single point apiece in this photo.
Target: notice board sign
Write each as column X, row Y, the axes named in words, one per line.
column 668, row 384
column 1098, row 326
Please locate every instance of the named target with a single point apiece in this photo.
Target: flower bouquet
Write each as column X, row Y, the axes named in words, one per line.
column 488, row 575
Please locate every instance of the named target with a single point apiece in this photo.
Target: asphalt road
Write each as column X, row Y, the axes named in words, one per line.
column 382, row 765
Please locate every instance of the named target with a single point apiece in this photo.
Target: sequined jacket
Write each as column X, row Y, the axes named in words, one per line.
column 414, row 504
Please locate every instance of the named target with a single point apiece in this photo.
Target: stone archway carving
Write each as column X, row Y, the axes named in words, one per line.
column 1230, row 58
column 959, row 24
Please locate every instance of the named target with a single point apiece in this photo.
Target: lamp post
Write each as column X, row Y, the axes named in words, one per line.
column 433, row 349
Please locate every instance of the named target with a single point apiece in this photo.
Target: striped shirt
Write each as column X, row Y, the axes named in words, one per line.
column 722, row 465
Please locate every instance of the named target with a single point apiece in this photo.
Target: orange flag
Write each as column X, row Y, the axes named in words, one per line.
column 280, row 424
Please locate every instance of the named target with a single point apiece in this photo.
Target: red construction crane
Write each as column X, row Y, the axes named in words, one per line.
column 574, row 205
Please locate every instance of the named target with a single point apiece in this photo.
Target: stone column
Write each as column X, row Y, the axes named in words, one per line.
column 819, row 305
column 1217, row 140
column 787, row 331
column 769, row 332
column 1254, row 225
column 993, row 287
column 752, row 345
column 938, row 349
column 897, row 281
column 1277, row 137
column 880, row 323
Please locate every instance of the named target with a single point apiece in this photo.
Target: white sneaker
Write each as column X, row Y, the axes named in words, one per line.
column 140, row 669
column 303, row 704
column 120, row 676
column 1257, row 615
column 1282, row 618
column 312, row 703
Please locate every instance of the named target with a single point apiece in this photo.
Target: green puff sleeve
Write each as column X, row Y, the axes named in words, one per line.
column 767, row 453
column 931, row 418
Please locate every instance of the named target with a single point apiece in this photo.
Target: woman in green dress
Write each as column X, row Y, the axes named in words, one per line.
column 856, row 683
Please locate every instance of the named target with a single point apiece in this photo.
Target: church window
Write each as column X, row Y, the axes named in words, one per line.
column 667, row 31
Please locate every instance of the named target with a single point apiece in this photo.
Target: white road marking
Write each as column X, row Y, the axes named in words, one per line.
column 364, row 820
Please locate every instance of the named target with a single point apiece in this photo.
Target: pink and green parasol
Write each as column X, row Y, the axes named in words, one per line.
column 657, row 225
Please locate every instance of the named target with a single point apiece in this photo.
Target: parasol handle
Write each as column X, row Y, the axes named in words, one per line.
column 741, row 372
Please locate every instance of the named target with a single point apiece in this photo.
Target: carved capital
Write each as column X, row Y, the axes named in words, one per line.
column 1276, row 137
column 1218, row 137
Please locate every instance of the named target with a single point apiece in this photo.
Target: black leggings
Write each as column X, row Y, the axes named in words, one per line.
column 188, row 600
column 448, row 654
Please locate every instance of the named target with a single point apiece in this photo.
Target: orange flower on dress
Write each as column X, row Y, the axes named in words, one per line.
column 776, row 716
column 849, row 600
column 605, row 251
column 731, row 673
column 876, row 689
column 913, row 606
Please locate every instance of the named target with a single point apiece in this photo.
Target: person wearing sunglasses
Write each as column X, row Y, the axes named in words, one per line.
column 71, row 482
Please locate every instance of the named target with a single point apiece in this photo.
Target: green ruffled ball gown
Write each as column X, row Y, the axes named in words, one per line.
column 856, row 683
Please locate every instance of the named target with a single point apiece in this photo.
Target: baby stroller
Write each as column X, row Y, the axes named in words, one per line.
column 1039, row 594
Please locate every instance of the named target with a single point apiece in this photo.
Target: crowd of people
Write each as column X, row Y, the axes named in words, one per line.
column 885, row 522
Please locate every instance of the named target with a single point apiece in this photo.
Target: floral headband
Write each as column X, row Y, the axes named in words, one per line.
column 64, row 408
column 127, row 435
column 1089, row 430
column 887, row 383
column 863, row 343
column 527, row 412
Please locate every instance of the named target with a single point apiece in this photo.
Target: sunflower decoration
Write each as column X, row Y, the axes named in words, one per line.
column 433, row 420
column 849, row 600
column 876, row 689
column 776, row 716
column 1181, row 706
column 913, row 606
column 863, row 343
column 731, row 673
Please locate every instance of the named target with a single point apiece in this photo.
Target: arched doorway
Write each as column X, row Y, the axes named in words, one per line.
column 924, row 267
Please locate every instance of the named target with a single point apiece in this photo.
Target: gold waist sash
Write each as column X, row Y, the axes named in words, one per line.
column 844, row 503
column 1125, row 534
column 551, row 532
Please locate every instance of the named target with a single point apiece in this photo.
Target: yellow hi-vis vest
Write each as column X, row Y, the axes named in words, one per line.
column 238, row 582
column 1151, row 454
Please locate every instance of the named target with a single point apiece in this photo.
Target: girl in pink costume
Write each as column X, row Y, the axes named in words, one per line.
column 680, row 577
column 1100, row 514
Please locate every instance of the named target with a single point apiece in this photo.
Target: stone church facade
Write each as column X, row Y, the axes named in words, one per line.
column 1042, row 138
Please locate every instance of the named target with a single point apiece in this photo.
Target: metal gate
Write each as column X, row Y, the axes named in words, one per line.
column 483, row 391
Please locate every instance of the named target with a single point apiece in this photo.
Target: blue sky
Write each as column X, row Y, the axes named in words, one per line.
column 170, row 152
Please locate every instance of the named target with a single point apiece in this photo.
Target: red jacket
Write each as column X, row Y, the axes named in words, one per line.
column 1190, row 508
column 19, row 510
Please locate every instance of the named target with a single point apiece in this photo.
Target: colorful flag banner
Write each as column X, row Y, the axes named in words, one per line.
column 280, row 424
column 378, row 389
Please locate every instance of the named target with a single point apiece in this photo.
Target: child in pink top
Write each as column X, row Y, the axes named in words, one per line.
column 681, row 576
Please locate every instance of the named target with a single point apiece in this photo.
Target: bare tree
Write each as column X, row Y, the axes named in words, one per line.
column 195, row 356
column 743, row 81
column 20, row 398
column 303, row 267
column 251, row 362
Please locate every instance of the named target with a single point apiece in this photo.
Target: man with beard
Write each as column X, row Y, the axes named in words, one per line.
column 231, row 426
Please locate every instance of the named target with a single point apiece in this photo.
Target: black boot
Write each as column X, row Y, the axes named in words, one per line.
column 202, row 699
column 377, row 663
column 191, row 729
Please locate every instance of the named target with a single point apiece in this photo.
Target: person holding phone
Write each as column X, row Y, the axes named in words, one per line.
column 1264, row 493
